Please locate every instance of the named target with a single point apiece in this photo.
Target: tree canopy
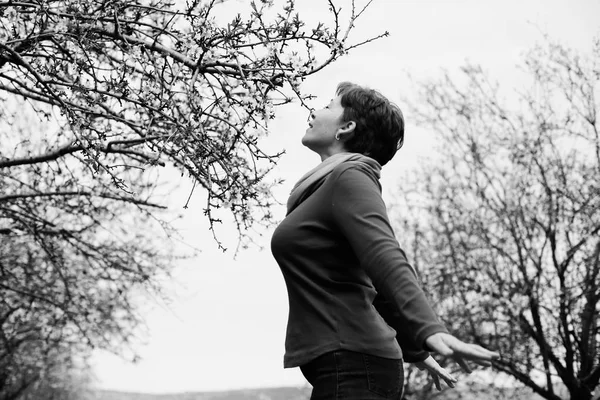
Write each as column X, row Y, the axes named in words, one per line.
column 95, row 95
column 154, row 82
column 504, row 220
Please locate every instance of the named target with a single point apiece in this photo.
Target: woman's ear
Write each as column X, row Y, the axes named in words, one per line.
column 346, row 130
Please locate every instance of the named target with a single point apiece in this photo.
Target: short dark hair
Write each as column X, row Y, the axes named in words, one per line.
column 379, row 131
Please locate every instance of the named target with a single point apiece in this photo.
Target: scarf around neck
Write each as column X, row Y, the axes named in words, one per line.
column 306, row 184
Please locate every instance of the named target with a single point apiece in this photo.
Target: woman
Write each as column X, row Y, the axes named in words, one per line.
column 348, row 280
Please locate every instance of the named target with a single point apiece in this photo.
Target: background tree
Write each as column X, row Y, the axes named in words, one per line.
column 94, row 95
column 504, row 220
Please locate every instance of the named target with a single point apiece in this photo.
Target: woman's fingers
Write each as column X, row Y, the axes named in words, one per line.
column 483, row 363
column 463, row 364
column 458, row 348
column 476, row 352
column 437, row 371
column 450, row 382
column 449, row 379
column 436, row 380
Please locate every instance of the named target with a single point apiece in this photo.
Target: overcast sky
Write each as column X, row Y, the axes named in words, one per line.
column 225, row 327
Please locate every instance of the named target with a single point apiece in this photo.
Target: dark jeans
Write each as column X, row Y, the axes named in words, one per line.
column 348, row 375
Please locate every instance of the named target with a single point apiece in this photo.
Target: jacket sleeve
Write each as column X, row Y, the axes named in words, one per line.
column 360, row 213
column 405, row 337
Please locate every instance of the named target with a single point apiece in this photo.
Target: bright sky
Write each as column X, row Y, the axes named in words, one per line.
column 225, row 327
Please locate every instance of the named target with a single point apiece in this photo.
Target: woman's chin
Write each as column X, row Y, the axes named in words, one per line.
column 305, row 139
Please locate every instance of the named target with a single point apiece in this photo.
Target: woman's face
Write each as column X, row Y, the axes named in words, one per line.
column 322, row 127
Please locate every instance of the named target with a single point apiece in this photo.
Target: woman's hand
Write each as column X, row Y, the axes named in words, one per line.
column 436, row 372
column 450, row 346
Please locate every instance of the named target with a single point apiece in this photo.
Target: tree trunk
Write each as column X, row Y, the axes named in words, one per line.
column 580, row 392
